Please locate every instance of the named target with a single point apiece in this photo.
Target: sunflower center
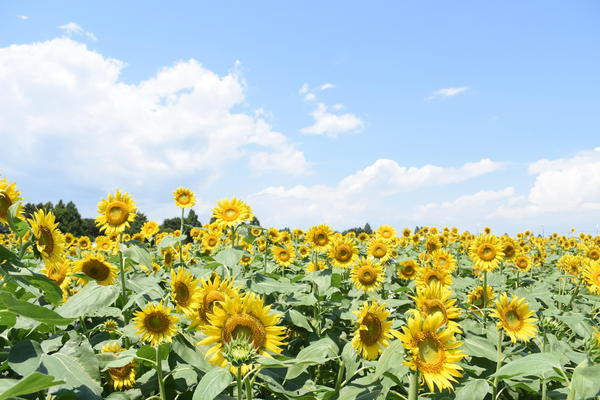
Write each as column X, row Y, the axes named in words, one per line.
column 168, row 258
column 522, row 263
column 121, row 372
column 594, row 254
column 372, row 333
column 442, row 262
column 487, row 252
column 367, row 275
column 379, row 251
column 343, row 254
column 182, row 293
column 243, row 324
column 45, row 240
column 433, row 277
column 184, row 198
column 512, row 320
column 5, row 203
column 409, row 270
column 284, row 255
column 231, row 213
column 509, row 251
column 117, row 213
column 435, row 306
column 96, row 269
column 429, row 351
column 321, row 239
column 212, row 242
column 157, row 322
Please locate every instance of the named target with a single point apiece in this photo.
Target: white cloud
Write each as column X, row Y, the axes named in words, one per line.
column 447, row 92
column 304, row 89
column 330, row 124
column 326, row 86
column 23, row 17
column 72, row 28
column 309, row 97
column 561, row 186
column 358, row 197
column 65, row 111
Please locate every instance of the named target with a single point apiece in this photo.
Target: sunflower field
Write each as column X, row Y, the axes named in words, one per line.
column 231, row 310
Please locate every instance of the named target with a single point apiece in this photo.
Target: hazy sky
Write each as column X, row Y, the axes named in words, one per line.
column 463, row 113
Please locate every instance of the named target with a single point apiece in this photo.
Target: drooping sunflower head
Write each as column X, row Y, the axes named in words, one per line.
column 522, row 262
column 515, row 318
column 283, row 256
column 379, row 249
column 116, row 212
column 184, row 198
column 436, row 299
column 433, row 349
column 373, row 330
column 475, row 297
column 242, row 317
column 121, row 377
column 229, row 213
column 212, row 291
column 408, row 269
column 49, row 241
column 343, row 253
column 168, row 256
column 156, row 324
column 184, row 290
column 59, row 273
column 486, row 252
column 591, row 276
column 442, row 259
column 367, row 275
column 428, row 275
column 96, row 268
column 149, row 229
column 319, row 265
column 571, row 265
column 319, row 237
column 9, row 195
column 432, row 243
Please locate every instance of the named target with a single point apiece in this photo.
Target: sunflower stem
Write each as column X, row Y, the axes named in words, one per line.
column 498, row 364
column 122, row 273
column 575, row 293
column 181, row 239
column 544, row 382
column 517, row 283
column 248, row 388
column 484, row 306
column 239, row 383
column 159, row 376
column 340, row 375
column 413, row 386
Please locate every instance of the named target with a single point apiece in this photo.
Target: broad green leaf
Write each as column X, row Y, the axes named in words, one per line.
column 32, row 383
column 169, row 241
column 18, row 227
column 212, row 384
column 316, row 353
column 474, row 389
column 137, row 254
column 80, row 349
column 479, row 347
column 391, row 360
column 531, row 365
column 351, row 360
column 299, row 320
column 24, row 357
column 7, row 318
column 229, row 257
column 35, row 312
column 52, row 292
column 586, row 381
column 89, row 300
column 74, row 375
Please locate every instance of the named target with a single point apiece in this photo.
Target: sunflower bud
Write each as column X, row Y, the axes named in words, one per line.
column 240, row 350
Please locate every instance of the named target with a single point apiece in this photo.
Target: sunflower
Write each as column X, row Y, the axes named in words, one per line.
column 571, row 265
column 486, row 252
column 408, row 269
column 121, row 377
column 212, row 290
column 9, row 195
column 591, row 276
column 386, row 231
column 475, row 297
column 373, row 330
column 316, row 266
column 229, row 213
column 435, row 298
column 442, row 259
column 155, row 323
column 428, row 275
column 343, row 253
column 522, row 262
column 367, row 276
column 149, row 229
column 49, row 241
column 210, row 242
column 319, row 237
column 515, row 317
column 95, row 267
column 84, row 243
column 103, row 243
column 509, row 247
column 184, row 290
column 284, row 256
column 304, row 251
column 593, row 253
column 433, row 349
column 379, row 249
column 59, row 273
column 432, row 243
column 184, row 198
column 238, row 317
column 363, row 237
column 196, row 234
column 116, row 212
column 169, row 256
column 69, row 239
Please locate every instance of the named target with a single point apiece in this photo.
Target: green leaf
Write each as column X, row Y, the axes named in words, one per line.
column 391, row 360
column 137, row 254
column 80, row 349
column 474, row 389
column 350, row 359
column 30, row 384
column 35, row 312
column 168, row 241
column 586, row 381
column 316, row 353
column 52, row 292
column 75, row 377
column 18, row 227
column 299, row 320
column 212, row 384
column 24, row 357
column 7, row 318
column 89, row 300
column 480, row 347
column 229, row 257
column 530, row 365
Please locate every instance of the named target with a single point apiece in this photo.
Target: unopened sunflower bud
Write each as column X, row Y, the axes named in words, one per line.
column 240, row 350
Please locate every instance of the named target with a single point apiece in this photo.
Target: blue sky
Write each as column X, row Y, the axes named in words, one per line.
column 341, row 112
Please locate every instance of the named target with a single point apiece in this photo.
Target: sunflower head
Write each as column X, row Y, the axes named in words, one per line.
column 9, row 195
column 184, row 290
column 96, row 268
column 319, row 237
column 379, row 249
column 116, row 212
column 373, row 330
column 408, row 269
column 212, row 291
column 515, row 318
column 367, row 275
column 442, row 259
column 59, row 273
column 343, row 253
column 435, row 299
column 316, row 266
column 122, row 377
column 184, row 198
column 49, row 241
column 155, row 323
column 475, row 297
column 284, row 256
column 486, row 252
column 386, row 231
column 522, row 262
column 229, row 213
column 149, row 229
column 428, row 276
column 591, row 276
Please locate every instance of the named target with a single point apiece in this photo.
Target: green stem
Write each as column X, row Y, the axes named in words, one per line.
column 239, row 383
column 517, row 283
column 181, row 241
column 544, row 382
column 123, row 287
column 498, row 363
column 575, row 293
column 248, row 388
column 413, row 386
column 340, row 375
column 159, row 376
column 484, row 299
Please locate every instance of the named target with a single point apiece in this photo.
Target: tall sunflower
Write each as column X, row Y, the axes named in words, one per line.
column 230, row 213
column 373, row 330
column 149, row 229
column 343, row 253
column 184, row 290
column 408, row 269
column 97, row 268
column 522, row 262
column 319, row 237
column 283, row 256
column 239, row 317
column 156, row 324
column 49, row 241
column 116, row 212
column 386, row 231
column 433, row 349
column 184, row 198
column 121, row 377
column 212, row 290
column 591, row 276
column 515, row 317
column 436, row 298
column 486, row 252
column 509, row 247
column 9, row 195
column 367, row 275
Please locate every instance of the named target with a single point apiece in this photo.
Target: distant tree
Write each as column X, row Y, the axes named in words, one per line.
column 136, row 225
column 367, row 228
column 68, row 218
column 255, row 221
column 89, row 228
column 192, row 220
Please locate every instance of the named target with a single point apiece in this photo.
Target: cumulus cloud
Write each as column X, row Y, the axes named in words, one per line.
column 72, row 28
column 358, row 197
column 65, row 110
column 23, row 17
column 447, row 92
column 330, row 124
